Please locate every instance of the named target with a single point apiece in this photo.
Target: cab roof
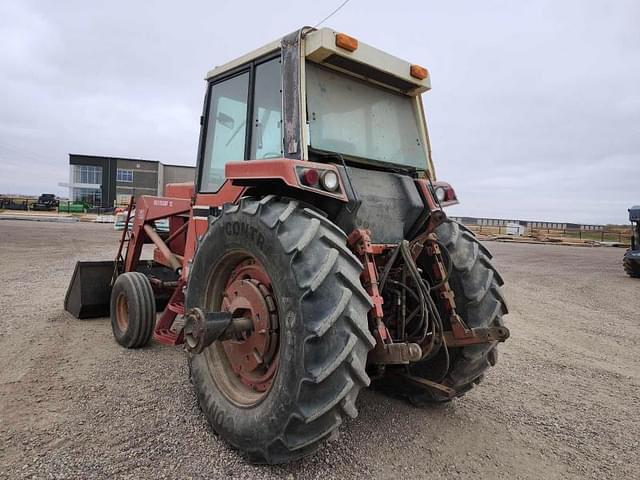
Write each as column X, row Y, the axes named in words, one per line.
column 321, row 46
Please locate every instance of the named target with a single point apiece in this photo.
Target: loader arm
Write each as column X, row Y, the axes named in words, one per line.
column 149, row 209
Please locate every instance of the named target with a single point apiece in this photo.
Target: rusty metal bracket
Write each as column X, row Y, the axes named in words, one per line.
column 439, row 388
column 360, row 243
column 460, row 335
column 395, row 353
column 435, row 219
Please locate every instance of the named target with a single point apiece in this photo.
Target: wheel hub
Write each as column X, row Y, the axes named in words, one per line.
column 253, row 357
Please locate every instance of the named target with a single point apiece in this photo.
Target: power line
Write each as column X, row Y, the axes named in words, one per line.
column 331, row 14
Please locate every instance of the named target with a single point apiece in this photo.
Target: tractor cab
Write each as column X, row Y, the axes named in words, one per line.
column 349, row 114
column 314, row 94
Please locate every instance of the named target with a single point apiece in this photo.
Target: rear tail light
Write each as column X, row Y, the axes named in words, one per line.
column 310, row 177
column 445, row 194
column 450, row 194
column 329, row 180
column 325, row 179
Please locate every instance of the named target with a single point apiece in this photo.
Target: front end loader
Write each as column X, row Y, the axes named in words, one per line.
column 311, row 257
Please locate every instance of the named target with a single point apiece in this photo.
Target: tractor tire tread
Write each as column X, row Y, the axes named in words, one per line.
column 333, row 307
column 631, row 268
column 142, row 310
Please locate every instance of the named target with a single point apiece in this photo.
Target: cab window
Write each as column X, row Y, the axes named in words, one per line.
column 227, row 138
column 266, row 137
column 226, row 129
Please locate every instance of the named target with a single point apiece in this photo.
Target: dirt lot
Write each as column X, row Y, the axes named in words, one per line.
column 563, row 401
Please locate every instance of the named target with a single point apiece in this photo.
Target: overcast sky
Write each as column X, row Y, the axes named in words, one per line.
column 534, row 111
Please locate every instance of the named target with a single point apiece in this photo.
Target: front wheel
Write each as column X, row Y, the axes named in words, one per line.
column 133, row 310
column 277, row 393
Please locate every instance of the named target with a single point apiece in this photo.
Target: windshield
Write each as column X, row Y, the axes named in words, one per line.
column 354, row 118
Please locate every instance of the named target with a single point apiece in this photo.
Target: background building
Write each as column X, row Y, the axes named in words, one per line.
column 530, row 224
column 110, row 181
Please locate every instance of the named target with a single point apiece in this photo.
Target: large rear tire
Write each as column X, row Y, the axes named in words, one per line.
column 300, row 260
column 631, row 267
column 479, row 301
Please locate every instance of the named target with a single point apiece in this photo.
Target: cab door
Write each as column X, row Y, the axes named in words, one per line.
column 242, row 121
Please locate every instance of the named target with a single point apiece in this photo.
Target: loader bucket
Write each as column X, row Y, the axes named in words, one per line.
column 89, row 292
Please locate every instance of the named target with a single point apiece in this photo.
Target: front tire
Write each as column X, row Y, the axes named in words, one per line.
column 320, row 311
column 133, row 310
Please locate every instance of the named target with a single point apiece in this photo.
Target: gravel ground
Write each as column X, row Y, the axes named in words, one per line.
column 563, row 401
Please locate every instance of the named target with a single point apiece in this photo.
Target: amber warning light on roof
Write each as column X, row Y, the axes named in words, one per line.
column 419, row 72
column 345, row 41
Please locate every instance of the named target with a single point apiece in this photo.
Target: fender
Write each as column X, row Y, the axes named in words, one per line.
column 288, row 171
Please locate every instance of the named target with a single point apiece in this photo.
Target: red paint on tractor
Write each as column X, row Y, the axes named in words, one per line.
column 179, row 190
column 286, row 170
column 254, row 359
column 149, row 209
column 360, row 243
column 163, row 332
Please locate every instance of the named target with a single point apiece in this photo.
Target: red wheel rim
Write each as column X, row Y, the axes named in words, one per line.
column 248, row 294
column 244, row 368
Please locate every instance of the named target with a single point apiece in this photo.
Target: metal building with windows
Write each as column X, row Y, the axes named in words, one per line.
column 107, row 182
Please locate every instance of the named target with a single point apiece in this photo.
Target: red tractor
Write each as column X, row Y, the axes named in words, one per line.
column 311, row 257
